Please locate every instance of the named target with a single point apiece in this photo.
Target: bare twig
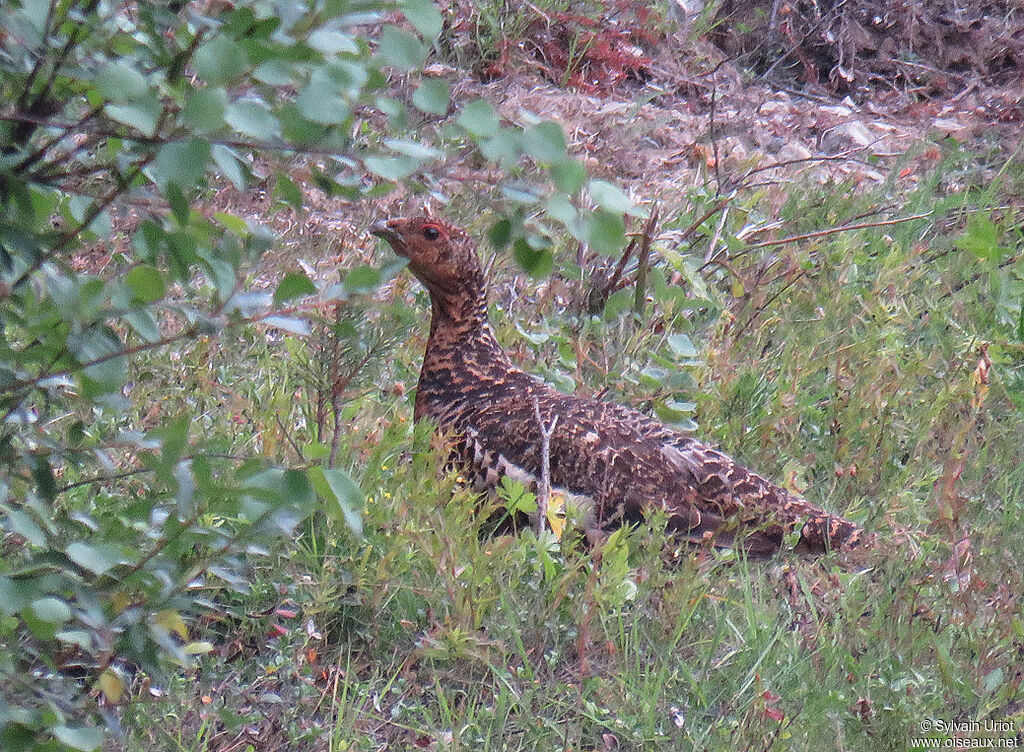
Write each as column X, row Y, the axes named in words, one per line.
column 835, row 230
column 714, row 142
column 139, row 471
column 643, row 260
column 544, row 486
column 185, row 333
column 845, row 156
column 975, row 277
column 714, row 238
column 66, row 238
column 771, row 299
column 601, row 286
column 289, row 438
column 138, row 138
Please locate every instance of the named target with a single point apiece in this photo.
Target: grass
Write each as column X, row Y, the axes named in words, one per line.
column 850, row 365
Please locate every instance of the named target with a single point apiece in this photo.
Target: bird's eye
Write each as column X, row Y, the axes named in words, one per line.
column 431, row 233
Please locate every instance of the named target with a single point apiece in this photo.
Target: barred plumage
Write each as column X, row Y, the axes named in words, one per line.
column 619, row 462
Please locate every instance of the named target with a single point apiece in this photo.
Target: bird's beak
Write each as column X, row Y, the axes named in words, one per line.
column 382, row 229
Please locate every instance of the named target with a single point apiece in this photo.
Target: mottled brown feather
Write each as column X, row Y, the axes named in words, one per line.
column 622, row 460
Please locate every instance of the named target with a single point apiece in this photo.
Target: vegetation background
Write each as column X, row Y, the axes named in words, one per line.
column 795, row 230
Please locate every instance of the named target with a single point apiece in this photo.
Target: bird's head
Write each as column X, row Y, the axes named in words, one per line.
column 441, row 255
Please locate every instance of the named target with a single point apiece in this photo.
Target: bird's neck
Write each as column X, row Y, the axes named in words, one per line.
column 462, row 360
column 459, row 322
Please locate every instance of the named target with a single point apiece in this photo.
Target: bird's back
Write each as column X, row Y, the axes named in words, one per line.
column 616, row 462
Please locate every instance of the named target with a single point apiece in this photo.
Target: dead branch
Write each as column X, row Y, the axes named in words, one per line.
column 544, row 486
column 835, row 230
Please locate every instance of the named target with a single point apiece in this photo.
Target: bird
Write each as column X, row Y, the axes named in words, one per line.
column 614, row 464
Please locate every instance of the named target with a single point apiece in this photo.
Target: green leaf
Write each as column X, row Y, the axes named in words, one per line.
column 146, row 283
column 199, row 647
column 479, row 118
column 500, row 233
column 504, row 148
column 293, row 285
column 331, row 42
column 362, row 279
column 231, row 223
column 97, row 558
column 19, row 521
column 298, row 129
column 143, row 114
column 204, row 109
column 82, row 738
column 274, row 73
column 412, row 149
column 1020, row 322
column 537, row 262
column 400, row 49
column 229, row 164
column 568, row 176
column 433, row 96
column 618, row 302
column 288, row 324
column 606, row 233
column 982, row 238
column 391, row 168
column 682, row 346
column 286, row 189
column 423, row 15
column 612, row 199
column 78, row 637
column 103, row 349
column 180, row 208
column 182, row 163
column 52, row 610
column 253, row 118
column 320, row 102
column 220, row 60
column 545, row 142
column 120, row 82
column 336, row 485
column 561, row 209
column 144, row 324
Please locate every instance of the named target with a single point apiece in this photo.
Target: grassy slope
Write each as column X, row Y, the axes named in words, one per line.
column 849, row 367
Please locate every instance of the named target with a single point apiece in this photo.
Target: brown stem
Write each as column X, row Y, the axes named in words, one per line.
column 544, row 486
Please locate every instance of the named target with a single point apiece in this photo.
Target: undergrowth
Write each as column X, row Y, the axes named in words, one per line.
column 879, row 370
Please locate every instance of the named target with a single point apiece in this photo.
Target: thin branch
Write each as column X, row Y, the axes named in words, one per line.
column 544, row 486
column 771, row 299
column 842, row 157
column 975, row 277
column 714, row 238
column 16, row 386
column 288, row 437
column 643, row 261
column 40, row 60
column 139, row 471
column 255, row 145
column 714, row 141
column 66, row 237
column 835, row 230
column 66, row 131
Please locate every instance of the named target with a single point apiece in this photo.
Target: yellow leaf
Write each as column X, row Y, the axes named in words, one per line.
column 172, row 622
column 120, row 601
column 556, row 514
column 111, row 686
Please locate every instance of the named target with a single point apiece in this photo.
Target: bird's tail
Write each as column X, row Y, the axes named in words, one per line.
column 731, row 503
